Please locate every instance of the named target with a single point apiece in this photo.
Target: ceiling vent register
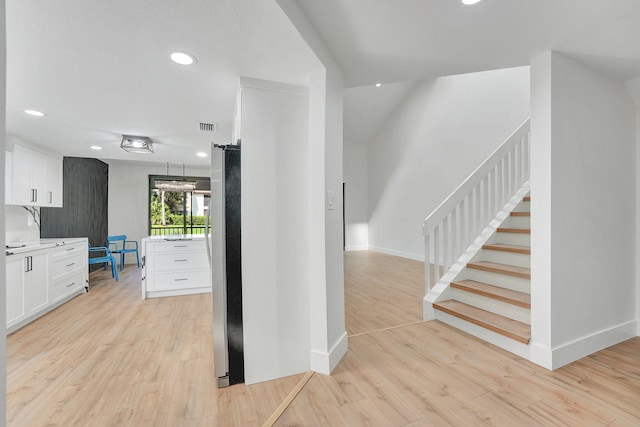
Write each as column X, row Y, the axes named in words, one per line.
column 208, row 127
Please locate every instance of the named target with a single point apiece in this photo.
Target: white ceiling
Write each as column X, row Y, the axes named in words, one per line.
column 100, row 69
column 367, row 107
column 400, row 40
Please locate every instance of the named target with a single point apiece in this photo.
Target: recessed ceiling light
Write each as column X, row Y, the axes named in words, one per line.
column 34, row 113
column 183, row 58
column 201, row 154
column 470, row 2
column 378, row 84
column 95, row 147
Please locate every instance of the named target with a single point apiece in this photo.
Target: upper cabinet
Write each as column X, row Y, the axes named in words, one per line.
column 33, row 178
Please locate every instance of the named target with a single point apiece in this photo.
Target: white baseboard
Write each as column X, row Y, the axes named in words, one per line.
column 417, row 257
column 589, row 344
column 325, row 363
column 356, row 248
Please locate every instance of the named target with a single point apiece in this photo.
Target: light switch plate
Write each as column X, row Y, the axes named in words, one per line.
column 331, row 200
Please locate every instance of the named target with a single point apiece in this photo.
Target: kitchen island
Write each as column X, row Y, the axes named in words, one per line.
column 175, row 265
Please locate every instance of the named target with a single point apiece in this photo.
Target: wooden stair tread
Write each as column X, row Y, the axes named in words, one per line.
column 527, row 198
column 501, row 294
column 517, row 249
column 519, row 213
column 514, row 230
column 494, row 267
column 494, row 322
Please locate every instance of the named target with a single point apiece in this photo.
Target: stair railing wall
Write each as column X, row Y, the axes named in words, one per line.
column 454, row 225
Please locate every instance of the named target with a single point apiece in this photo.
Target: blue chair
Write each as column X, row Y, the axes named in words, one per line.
column 114, row 246
column 103, row 259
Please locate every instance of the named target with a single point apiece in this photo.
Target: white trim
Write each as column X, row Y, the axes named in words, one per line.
column 577, row 349
column 356, row 248
column 177, row 292
column 541, row 355
column 325, row 363
column 27, row 320
column 402, row 254
column 247, row 82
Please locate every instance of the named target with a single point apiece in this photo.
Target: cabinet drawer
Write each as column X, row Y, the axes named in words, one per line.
column 67, row 264
column 68, row 250
column 179, row 261
column 181, row 280
column 176, row 246
column 67, row 285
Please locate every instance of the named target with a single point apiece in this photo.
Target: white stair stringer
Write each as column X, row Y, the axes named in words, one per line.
column 441, row 291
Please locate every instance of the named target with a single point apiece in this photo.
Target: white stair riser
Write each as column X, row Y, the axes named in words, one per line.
column 505, row 309
column 511, row 239
column 510, row 258
column 495, row 279
column 498, row 340
column 523, row 207
column 517, row 222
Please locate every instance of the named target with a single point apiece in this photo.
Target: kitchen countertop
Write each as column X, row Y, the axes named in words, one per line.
column 174, row 237
column 34, row 245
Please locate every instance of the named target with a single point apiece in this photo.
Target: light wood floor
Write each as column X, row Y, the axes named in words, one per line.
column 109, row 359
column 381, row 291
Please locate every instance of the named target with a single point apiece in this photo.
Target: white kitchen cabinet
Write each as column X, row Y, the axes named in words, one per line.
column 36, row 283
column 15, row 290
column 27, row 285
column 174, row 267
column 34, row 178
column 43, row 276
column 68, row 267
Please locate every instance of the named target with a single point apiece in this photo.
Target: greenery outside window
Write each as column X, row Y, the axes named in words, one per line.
column 178, row 204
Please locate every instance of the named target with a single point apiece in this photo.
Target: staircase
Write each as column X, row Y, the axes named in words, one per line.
column 490, row 297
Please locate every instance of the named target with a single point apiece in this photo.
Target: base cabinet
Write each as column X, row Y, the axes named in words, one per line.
column 27, row 285
column 36, row 283
column 15, row 290
column 40, row 280
column 68, row 267
column 174, row 267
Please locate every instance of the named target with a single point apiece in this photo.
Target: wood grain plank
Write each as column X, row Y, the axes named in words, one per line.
column 516, row 230
column 502, row 325
column 150, row 363
column 517, row 249
column 495, row 267
column 495, row 292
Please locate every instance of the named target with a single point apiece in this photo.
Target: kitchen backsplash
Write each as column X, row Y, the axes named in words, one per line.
column 19, row 225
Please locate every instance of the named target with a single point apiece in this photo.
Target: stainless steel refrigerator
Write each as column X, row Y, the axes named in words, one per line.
column 226, row 264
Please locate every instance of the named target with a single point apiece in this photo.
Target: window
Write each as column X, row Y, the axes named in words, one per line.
column 178, row 204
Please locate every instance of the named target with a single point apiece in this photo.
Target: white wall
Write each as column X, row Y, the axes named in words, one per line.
column 583, row 211
column 633, row 86
column 356, row 209
column 275, row 237
column 129, row 195
column 329, row 340
column 3, row 287
column 443, row 130
column 637, row 217
column 19, row 224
